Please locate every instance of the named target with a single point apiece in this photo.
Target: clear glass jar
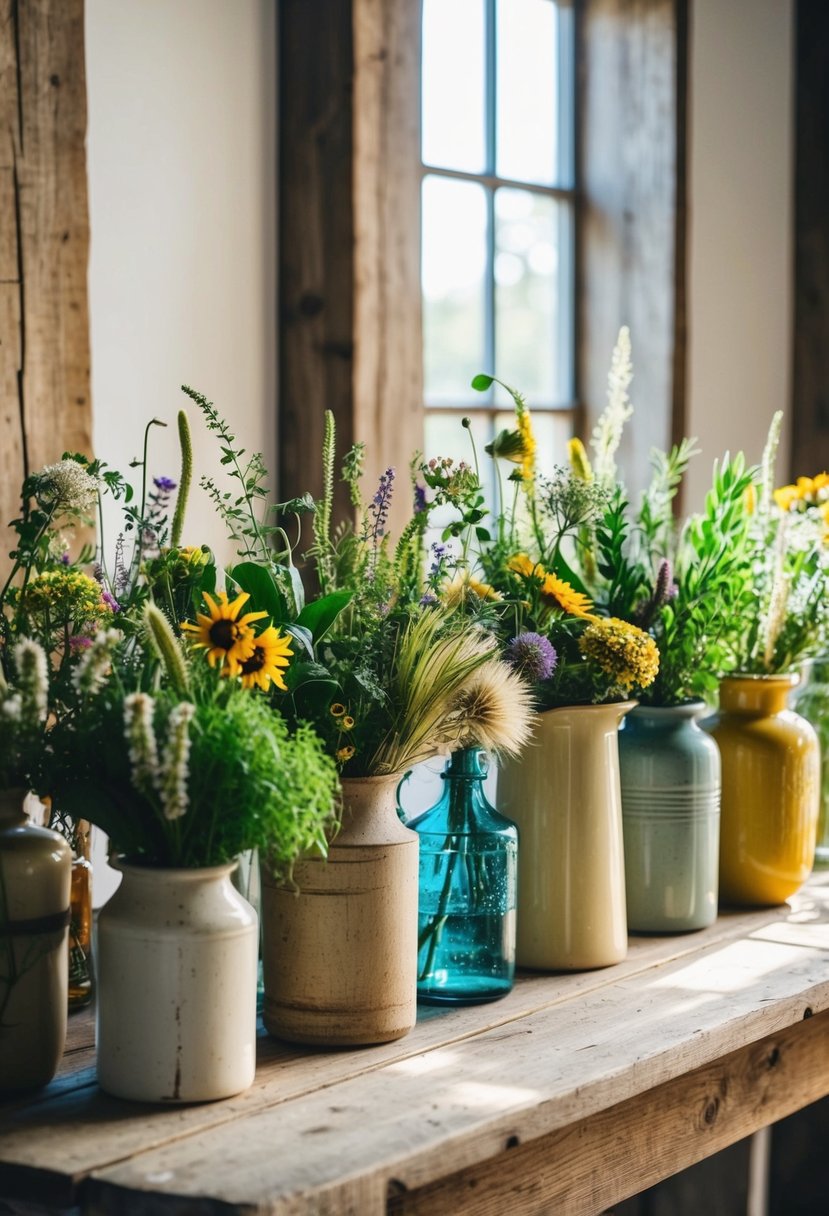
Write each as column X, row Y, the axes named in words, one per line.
column 467, row 890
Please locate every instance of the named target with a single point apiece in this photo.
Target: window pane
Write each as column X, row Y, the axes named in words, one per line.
column 532, row 295
column 453, row 268
column 527, row 91
column 453, row 84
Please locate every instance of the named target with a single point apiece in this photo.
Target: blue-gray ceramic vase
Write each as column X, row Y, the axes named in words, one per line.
column 671, row 787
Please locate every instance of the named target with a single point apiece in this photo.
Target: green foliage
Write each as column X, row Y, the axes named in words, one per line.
column 249, row 781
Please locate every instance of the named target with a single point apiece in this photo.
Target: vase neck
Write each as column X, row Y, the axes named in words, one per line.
column 467, row 763
column 11, row 806
column 756, row 694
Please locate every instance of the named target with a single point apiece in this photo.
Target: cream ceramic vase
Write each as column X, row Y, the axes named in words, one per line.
column 177, row 963
column 563, row 793
column 340, row 940
column 35, row 877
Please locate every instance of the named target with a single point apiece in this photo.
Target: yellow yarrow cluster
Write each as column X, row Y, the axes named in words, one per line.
column 65, row 594
column 805, row 493
column 622, row 651
column 229, row 640
column 555, row 592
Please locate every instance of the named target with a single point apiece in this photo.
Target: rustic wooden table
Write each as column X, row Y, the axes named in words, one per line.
column 567, row 1096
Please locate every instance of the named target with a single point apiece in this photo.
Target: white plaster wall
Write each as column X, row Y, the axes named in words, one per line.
column 740, row 228
column 182, row 275
column 182, row 183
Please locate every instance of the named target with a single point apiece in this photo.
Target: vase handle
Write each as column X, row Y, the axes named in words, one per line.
column 400, row 811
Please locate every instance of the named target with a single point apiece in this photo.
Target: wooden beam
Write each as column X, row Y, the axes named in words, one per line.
column 45, row 403
column 631, row 256
column 810, row 380
column 349, row 233
column 641, row 1141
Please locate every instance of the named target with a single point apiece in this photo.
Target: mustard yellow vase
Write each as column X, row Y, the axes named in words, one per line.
column 770, row 790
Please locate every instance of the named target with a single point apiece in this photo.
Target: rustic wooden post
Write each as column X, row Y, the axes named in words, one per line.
column 349, row 235
column 45, row 405
column 632, row 107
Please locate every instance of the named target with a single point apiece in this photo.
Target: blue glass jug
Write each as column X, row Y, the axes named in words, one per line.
column 467, row 890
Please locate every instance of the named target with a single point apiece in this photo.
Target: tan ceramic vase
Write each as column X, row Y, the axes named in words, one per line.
column 340, row 942
column 564, row 795
column 770, row 790
column 176, row 1004
column 35, row 875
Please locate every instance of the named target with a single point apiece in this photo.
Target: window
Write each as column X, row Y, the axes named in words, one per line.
column 498, row 218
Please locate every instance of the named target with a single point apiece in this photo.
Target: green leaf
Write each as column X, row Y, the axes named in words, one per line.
column 319, row 616
column 482, row 382
column 262, row 589
column 302, row 637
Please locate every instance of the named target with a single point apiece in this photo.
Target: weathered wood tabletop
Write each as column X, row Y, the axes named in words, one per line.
column 568, row 1095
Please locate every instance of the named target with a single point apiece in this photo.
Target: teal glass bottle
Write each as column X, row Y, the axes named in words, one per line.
column 467, row 890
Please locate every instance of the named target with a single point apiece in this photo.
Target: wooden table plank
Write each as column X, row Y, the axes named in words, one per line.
column 417, row 1120
column 603, row 1059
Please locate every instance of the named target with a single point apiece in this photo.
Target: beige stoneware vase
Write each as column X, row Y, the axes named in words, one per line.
column 177, row 968
column 340, row 942
column 35, row 877
column 564, row 795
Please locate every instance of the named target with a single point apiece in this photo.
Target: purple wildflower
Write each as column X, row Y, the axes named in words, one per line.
column 532, row 656
column 65, row 559
column 79, row 642
column 380, row 504
column 438, row 558
column 419, row 499
column 110, row 600
column 428, row 599
column 164, row 485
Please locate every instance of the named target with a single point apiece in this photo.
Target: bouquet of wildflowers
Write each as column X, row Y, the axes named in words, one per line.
column 180, row 766
column 402, row 674
column 787, row 618
column 517, row 574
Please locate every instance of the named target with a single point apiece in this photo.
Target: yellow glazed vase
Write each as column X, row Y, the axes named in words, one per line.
column 564, row 795
column 770, row 790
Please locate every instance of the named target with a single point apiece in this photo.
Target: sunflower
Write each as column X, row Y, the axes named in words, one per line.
column 227, row 637
column 271, row 650
column 559, row 594
column 554, row 591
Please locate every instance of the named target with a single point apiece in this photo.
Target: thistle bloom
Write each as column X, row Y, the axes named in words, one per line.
column 227, row 637
column 627, row 654
column 532, row 656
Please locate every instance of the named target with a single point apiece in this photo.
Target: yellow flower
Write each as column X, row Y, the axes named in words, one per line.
column 750, row 500
column 463, row 585
column 347, row 722
column 345, row 753
column 622, row 651
column 554, row 591
column 271, row 651
column 579, row 460
column 525, row 430
column 559, row 594
column 337, row 709
column 65, row 594
column 786, row 496
column 227, row 637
